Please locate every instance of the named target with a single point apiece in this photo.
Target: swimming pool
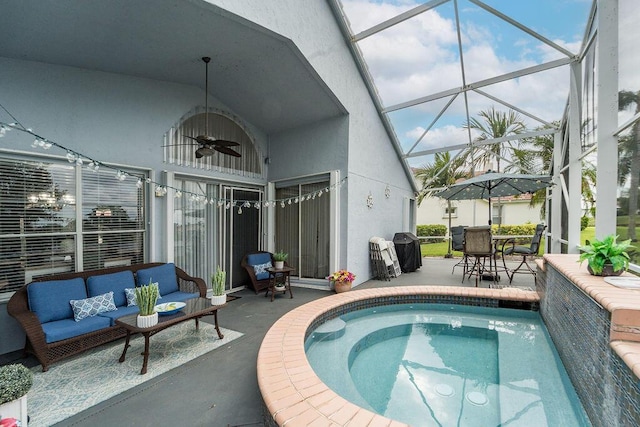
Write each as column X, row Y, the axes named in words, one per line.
column 446, row 365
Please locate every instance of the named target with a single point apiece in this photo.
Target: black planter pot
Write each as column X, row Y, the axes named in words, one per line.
column 607, row 270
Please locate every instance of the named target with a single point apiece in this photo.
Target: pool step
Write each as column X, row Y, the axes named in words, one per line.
column 330, row 330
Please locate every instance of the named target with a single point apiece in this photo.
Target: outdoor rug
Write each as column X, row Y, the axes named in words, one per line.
column 78, row 383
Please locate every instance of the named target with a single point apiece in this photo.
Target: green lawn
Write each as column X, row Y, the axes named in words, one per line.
column 440, row 249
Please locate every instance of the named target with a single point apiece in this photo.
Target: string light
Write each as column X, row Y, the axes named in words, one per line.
column 161, row 190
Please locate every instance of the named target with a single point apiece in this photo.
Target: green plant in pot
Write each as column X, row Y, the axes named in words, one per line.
column 280, row 257
column 15, row 382
column 218, row 280
column 146, row 298
column 606, row 257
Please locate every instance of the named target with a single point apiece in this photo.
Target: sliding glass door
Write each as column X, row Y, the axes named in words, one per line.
column 302, row 228
column 242, row 231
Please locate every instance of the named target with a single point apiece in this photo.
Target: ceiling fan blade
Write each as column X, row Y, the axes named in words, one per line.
column 226, row 143
column 210, row 140
column 227, row 150
column 180, row 145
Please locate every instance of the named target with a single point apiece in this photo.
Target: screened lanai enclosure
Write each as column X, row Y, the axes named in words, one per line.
column 331, row 125
column 524, row 87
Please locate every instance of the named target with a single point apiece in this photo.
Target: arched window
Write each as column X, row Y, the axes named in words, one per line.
column 181, row 150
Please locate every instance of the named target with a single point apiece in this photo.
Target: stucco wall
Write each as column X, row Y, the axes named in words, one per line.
column 372, row 161
column 475, row 212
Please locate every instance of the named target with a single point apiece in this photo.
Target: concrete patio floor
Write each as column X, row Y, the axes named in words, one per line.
column 220, row 388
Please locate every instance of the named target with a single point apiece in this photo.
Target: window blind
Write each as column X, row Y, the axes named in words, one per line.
column 113, row 220
column 37, row 221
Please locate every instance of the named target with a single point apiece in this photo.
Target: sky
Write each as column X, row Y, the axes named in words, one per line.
column 420, row 57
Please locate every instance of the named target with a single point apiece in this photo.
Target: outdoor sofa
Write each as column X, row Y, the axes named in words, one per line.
column 57, row 328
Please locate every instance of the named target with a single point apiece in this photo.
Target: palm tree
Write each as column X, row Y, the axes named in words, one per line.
column 630, row 158
column 534, row 155
column 496, row 124
column 442, row 172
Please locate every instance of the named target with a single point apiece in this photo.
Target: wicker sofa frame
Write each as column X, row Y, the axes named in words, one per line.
column 48, row 353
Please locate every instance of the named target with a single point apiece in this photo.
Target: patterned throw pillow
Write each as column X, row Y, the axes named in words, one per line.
column 131, row 295
column 92, row 306
column 261, row 270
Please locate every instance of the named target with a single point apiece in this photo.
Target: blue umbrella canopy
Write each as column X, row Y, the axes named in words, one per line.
column 495, row 184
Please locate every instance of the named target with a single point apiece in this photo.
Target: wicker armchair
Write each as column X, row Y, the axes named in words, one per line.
column 258, row 284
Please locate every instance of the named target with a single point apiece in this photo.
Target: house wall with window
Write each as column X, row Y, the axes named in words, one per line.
column 122, row 120
column 433, row 210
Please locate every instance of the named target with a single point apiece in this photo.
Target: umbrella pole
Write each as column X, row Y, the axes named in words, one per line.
column 490, row 213
column 449, row 255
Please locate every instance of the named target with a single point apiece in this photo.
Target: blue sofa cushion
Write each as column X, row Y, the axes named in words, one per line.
column 179, row 296
column 260, row 263
column 164, row 275
column 121, row 311
column 116, row 282
column 89, row 307
column 50, row 300
column 68, row 328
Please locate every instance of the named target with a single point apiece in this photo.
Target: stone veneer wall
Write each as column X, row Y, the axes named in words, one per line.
column 580, row 329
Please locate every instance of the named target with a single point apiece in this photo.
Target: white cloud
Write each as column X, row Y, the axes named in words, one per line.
column 420, row 57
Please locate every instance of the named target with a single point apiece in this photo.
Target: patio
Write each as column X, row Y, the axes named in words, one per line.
column 220, row 388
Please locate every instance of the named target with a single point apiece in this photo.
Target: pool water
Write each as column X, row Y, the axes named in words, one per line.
column 444, row 365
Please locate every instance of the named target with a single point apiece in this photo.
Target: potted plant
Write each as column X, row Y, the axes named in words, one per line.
column 606, row 257
column 218, row 279
column 342, row 280
column 146, row 298
column 15, row 383
column 280, row 258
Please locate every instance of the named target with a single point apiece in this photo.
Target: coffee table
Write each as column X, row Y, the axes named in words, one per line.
column 195, row 309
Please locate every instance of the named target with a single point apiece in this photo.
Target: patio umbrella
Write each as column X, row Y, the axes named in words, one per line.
column 495, row 184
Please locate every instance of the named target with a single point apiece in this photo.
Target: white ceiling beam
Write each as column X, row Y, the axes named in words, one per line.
column 432, row 123
column 398, row 19
column 513, row 107
column 479, row 84
column 485, row 142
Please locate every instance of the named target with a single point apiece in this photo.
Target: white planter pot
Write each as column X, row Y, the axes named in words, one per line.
column 15, row 409
column 218, row 299
column 279, row 264
column 147, row 321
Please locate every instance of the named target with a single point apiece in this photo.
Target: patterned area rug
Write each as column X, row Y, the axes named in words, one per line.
column 85, row 380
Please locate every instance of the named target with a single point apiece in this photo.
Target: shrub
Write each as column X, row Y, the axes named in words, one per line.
column 432, row 230
column 584, row 222
column 15, row 382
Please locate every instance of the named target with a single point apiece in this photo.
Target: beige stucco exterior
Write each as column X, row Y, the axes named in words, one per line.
column 432, row 210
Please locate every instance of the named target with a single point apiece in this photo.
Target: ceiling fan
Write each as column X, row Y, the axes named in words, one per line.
column 208, row 145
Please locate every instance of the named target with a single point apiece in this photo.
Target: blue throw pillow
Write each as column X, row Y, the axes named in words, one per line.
column 131, row 296
column 50, row 300
column 259, row 263
column 93, row 306
column 261, row 270
column 164, row 275
column 116, row 282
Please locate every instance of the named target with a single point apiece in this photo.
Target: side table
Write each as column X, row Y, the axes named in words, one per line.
column 279, row 273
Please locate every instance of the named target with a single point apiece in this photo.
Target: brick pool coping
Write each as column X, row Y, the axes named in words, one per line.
column 294, row 395
column 623, row 304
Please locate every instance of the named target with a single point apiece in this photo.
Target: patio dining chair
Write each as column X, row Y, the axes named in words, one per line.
column 457, row 244
column 528, row 252
column 479, row 245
